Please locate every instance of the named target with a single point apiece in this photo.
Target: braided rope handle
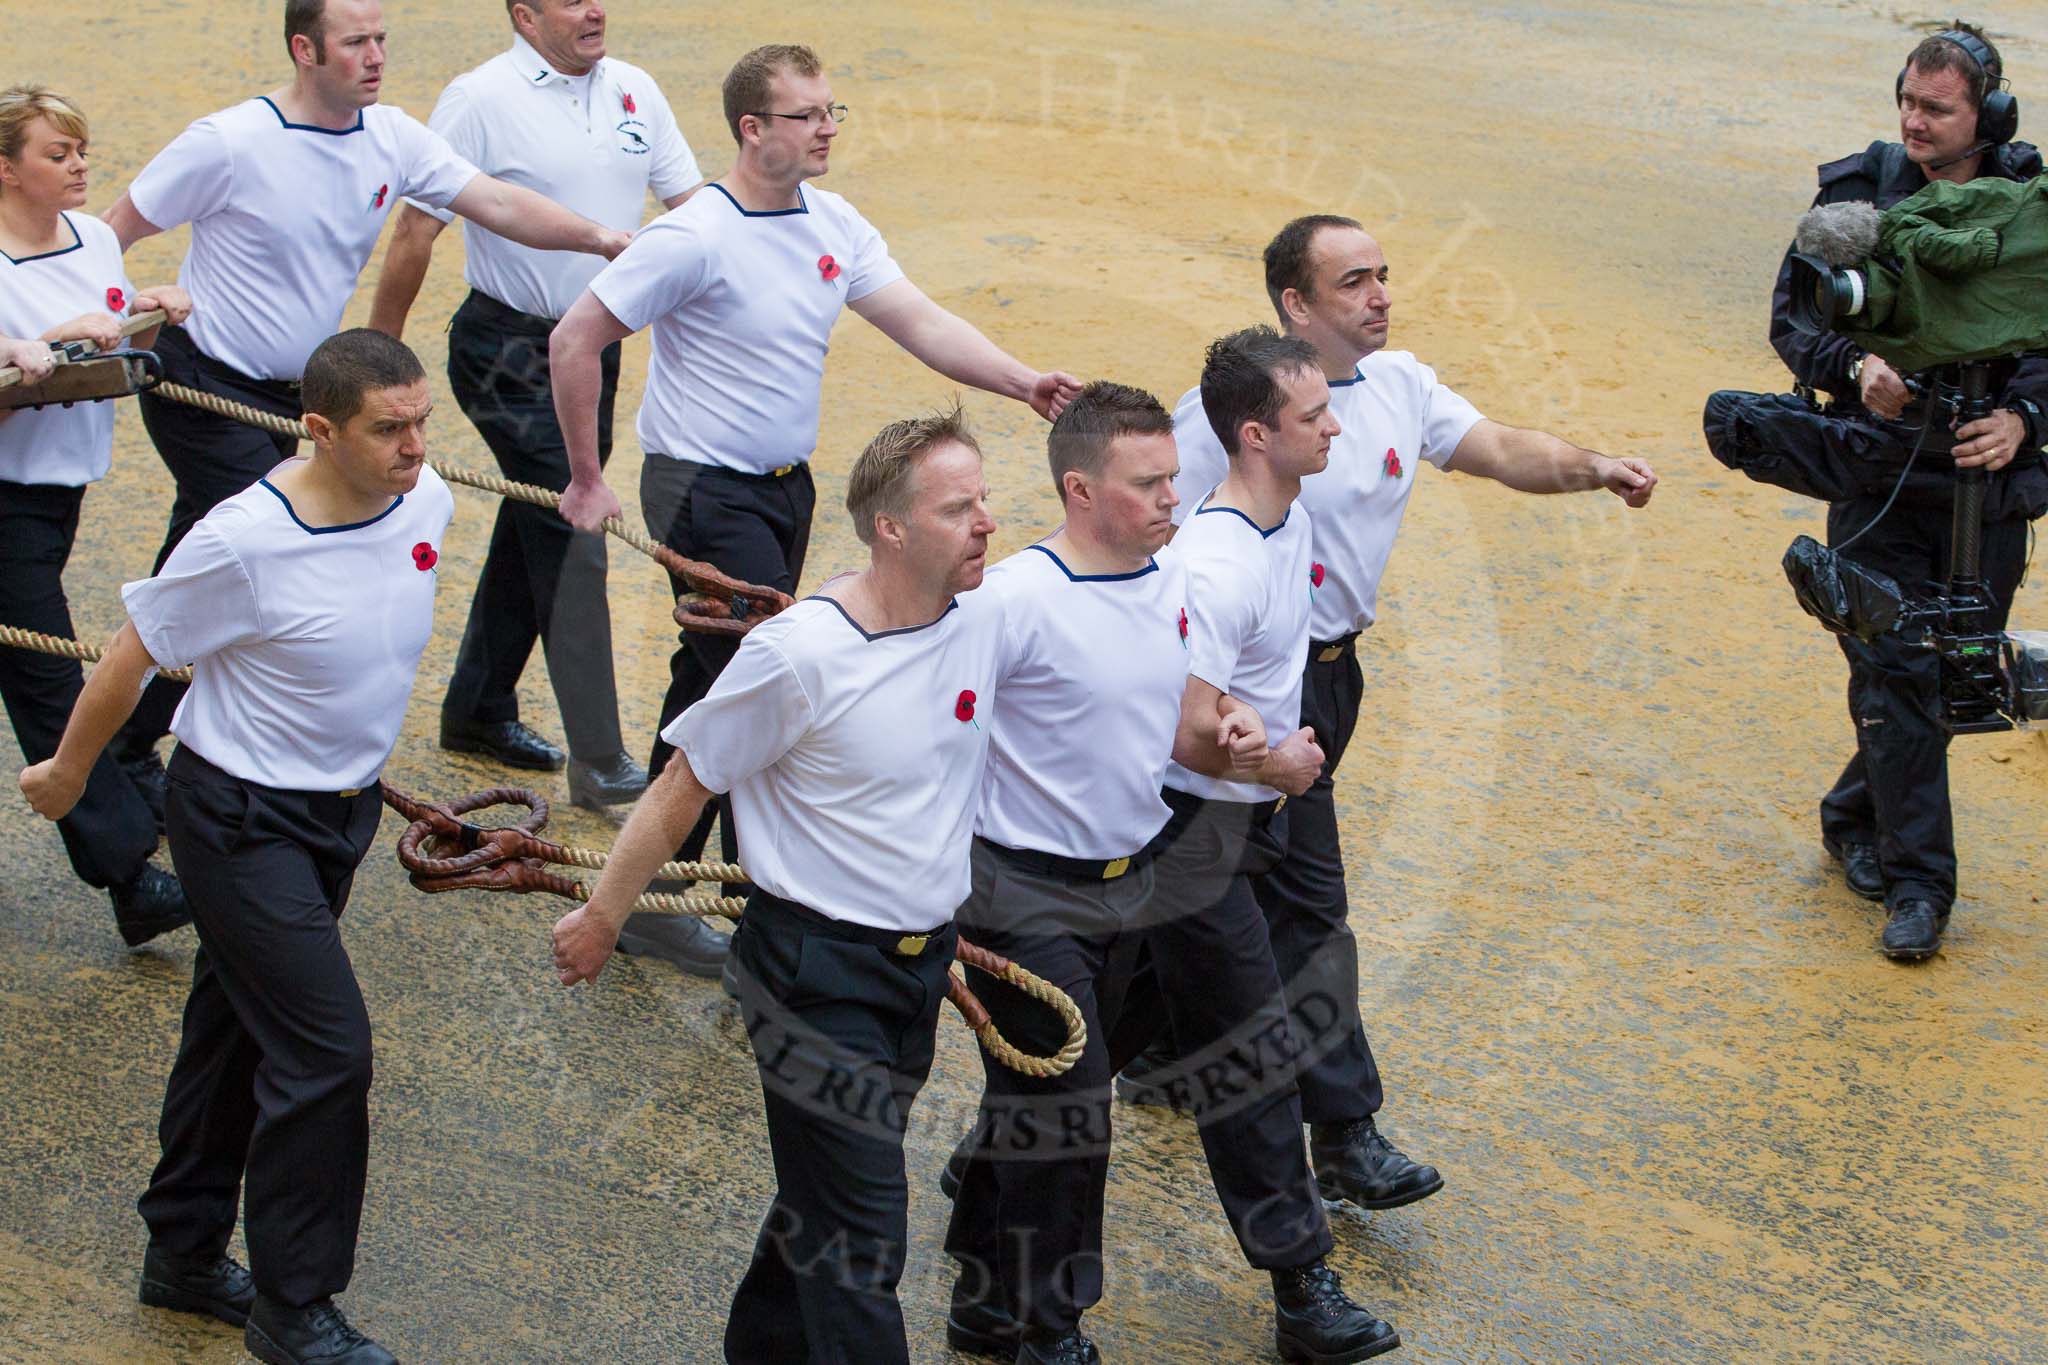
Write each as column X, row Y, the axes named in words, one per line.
column 716, row 603
column 1039, row 989
column 71, row 649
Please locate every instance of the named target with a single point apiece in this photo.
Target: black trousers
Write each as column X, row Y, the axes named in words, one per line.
column 211, row 459
column 540, row 579
column 755, row 527
column 271, row 1086
column 1204, row 967
column 1027, row 1222
column 1893, row 793
column 842, row 1027
column 1308, row 912
column 110, row 833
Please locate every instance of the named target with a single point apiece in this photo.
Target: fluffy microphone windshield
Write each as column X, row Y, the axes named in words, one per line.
column 1840, row 234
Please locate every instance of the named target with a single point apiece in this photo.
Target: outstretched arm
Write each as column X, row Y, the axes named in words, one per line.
column 520, row 215
column 956, row 348
column 405, row 269
column 662, row 818
column 1531, row 461
column 108, row 699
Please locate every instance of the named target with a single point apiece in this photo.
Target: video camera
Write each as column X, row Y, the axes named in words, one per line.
column 1931, row 287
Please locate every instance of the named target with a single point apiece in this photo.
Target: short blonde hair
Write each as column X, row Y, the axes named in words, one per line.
column 880, row 482
column 21, row 105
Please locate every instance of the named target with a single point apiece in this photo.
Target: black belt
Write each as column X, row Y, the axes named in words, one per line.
column 505, row 317
column 888, row 940
column 780, row 471
column 1072, row 869
column 1186, row 803
column 1329, row 651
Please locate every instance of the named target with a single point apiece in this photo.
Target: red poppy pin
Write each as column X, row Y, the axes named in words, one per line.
column 963, row 708
column 627, row 100
column 828, row 269
column 1315, row 575
column 423, row 556
column 117, row 302
column 377, row 199
column 1183, row 627
column 1393, row 464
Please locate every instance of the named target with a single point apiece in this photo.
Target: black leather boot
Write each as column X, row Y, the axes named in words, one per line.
column 1914, row 930
column 1355, row 1162
column 614, row 781
column 979, row 1326
column 1319, row 1325
column 1058, row 1348
column 684, row 940
column 197, row 1284
column 314, row 1335
column 511, row 742
column 1860, row 868
column 152, row 904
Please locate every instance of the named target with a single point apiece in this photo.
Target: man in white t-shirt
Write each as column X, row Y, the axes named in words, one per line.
column 1327, row 279
column 741, row 287
column 302, row 604
column 286, row 194
column 851, row 732
column 558, row 115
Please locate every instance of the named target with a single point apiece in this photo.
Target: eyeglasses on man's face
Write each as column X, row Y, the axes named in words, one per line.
column 814, row 117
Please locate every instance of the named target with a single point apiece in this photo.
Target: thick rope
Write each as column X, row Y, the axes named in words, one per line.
column 71, row 649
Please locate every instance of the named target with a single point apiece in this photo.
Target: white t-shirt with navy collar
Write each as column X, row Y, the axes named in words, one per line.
column 1394, row 414
column 596, row 143
column 1249, row 591
column 1090, row 699
column 284, row 217
column 303, row 640
column 73, row 446
column 742, row 305
column 853, row 760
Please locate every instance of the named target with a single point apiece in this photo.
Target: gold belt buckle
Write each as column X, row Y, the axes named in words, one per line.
column 1330, row 654
column 352, row 791
column 1114, row 868
column 781, row 470
column 1281, row 802
column 910, row 945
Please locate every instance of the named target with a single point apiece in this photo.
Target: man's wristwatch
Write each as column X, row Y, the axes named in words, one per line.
column 1856, row 371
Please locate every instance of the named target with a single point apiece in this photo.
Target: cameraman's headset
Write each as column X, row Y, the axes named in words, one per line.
column 1998, row 116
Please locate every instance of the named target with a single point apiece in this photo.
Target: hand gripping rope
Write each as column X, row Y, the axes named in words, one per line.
column 441, row 851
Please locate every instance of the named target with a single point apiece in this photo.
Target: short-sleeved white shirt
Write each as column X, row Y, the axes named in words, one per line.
column 1090, row 699
column 284, row 217
column 742, row 305
column 67, row 446
column 1394, row 414
column 853, row 760
column 596, row 142
column 1248, row 611
column 303, row 641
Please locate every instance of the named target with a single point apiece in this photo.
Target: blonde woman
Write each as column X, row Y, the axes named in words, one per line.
column 61, row 279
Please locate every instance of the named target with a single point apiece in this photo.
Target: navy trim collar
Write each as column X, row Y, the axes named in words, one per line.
column 293, row 513
column 882, row 634
column 1357, row 374
column 313, row 127
column 1151, row 566
column 1264, row 534
column 802, row 204
column 76, row 243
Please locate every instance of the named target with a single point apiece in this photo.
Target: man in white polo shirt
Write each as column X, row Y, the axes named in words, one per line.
column 1211, row 976
column 741, row 287
column 286, row 194
column 851, row 731
column 1327, row 279
column 559, row 116
column 302, row 604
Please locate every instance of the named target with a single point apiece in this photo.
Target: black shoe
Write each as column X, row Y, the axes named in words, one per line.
column 685, row 940
column 197, row 1284
column 508, row 741
column 147, row 773
column 616, row 781
column 729, row 974
column 1355, row 1162
column 1153, row 1079
column 955, row 1169
column 1914, row 930
column 1318, row 1324
column 977, row 1328
column 1860, row 868
column 314, row 1335
column 1058, row 1348
column 152, row 904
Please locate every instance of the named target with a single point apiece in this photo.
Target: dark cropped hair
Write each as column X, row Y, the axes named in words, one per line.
column 1287, row 257
column 1936, row 53
column 349, row 365
column 310, row 18
column 1241, row 379
column 1099, row 414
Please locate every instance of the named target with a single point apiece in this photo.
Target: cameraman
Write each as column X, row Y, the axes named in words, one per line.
column 1887, row 819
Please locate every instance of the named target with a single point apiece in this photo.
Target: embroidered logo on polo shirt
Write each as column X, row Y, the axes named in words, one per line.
column 629, row 131
column 828, row 269
column 117, row 302
column 377, row 199
column 963, row 709
column 423, row 556
column 627, row 100
column 1393, row 466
